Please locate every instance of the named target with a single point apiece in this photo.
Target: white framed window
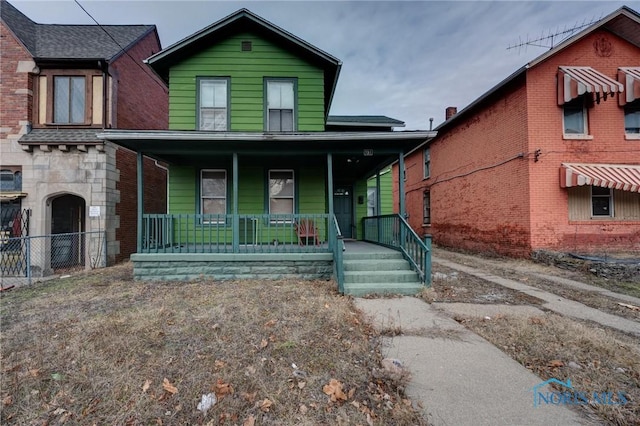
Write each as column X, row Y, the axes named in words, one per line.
column 601, row 202
column 632, row 118
column 280, row 108
column 427, row 163
column 213, row 194
column 69, row 99
column 281, row 192
column 426, row 208
column 574, row 117
column 213, row 105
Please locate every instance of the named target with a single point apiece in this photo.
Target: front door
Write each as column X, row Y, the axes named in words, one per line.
column 343, row 209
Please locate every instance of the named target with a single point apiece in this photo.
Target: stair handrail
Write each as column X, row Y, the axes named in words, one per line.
column 416, row 251
column 338, row 247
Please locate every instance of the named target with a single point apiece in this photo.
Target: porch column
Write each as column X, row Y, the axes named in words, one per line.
column 140, row 172
column 236, row 218
column 378, row 201
column 330, row 184
column 401, row 194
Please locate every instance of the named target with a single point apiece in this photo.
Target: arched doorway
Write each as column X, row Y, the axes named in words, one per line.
column 67, row 222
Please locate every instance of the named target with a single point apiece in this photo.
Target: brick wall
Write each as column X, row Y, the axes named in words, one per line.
column 16, row 90
column 142, row 98
column 479, row 179
column 155, row 197
column 551, row 228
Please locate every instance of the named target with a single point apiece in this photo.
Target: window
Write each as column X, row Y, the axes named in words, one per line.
column 601, row 201
column 575, row 117
column 213, row 193
column 69, row 100
column 372, row 201
column 213, row 104
column 280, row 105
column 426, row 208
column 427, row 163
column 281, row 192
column 632, row 118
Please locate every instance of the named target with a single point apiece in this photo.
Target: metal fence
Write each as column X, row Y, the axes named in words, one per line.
column 23, row 259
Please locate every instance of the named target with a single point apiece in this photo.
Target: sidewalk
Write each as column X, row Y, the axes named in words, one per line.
column 460, row 378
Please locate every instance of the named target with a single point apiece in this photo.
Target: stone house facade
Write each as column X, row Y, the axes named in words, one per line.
column 60, row 85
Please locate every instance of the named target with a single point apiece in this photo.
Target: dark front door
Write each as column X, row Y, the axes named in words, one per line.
column 343, row 209
column 67, row 218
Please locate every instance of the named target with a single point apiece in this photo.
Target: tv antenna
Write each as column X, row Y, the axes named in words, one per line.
column 550, row 40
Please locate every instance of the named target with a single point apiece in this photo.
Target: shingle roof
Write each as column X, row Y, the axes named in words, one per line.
column 370, row 120
column 49, row 41
column 61, row 136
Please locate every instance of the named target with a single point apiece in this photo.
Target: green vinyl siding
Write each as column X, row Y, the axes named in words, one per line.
column 360, row 190
column 246, row 71
column 386, row 194
column 311, row 186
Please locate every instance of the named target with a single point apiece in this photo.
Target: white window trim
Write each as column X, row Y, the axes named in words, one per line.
column 203, row 197
column 426, row 174
column 585, row 119
column 292, row 197
column 611, row 204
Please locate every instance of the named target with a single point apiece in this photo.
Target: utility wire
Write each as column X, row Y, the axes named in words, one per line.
column 135, row 61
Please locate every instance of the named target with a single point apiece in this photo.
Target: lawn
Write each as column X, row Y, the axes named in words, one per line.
column 100, row 348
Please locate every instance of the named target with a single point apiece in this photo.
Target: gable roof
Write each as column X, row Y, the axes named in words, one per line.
column 624, row 22
column 245, row 20
column 364, row 120
column 69, row 42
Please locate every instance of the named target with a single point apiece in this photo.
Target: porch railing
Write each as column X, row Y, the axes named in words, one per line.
column 211, row 233
column 394, row 232
column 337, row 243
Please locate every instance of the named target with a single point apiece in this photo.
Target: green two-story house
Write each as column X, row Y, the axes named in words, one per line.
column 260, row 174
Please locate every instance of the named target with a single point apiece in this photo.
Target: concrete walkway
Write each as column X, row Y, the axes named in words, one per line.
column 557, row 303
column 462, row 379
column 459, row 378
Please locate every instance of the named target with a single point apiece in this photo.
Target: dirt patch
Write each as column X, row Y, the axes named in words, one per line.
column 99, row 348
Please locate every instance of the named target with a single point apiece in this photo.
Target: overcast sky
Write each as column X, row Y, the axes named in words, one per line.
column 405, row 59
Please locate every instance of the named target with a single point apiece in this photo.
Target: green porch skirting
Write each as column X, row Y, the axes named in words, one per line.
column 228, row 266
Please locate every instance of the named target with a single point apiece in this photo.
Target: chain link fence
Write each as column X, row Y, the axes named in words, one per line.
column 24, row 259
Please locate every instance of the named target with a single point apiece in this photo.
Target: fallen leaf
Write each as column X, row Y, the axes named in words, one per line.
column 250, row 370
column 326, row 305
column 355, row 404
column 219, row 364
column 34, row 372
column 271, row 323
column 334, row 390
column 301, row 385
column 7, row 400
column 266, row 405
column 555, row 363
column 221, row 388
column 146, row 385
column 250, row 421
column 249, row 397
column 263, row 343
column 352, row 392
column 166, row 385
column 303, row 409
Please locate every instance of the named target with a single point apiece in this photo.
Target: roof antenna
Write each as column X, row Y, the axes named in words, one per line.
column 550, row 40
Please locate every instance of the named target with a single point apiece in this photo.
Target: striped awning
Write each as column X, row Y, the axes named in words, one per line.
column 630, row 77
column 616, row 176
column 10, row 196
column 576, row 81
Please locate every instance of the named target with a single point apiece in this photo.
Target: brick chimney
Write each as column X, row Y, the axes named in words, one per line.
column 450, row 112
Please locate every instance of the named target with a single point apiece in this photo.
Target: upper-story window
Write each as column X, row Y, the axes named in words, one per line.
column 632, row 118
column 575, row 117
column 280, row 109
column 213, row 107
column 427, row 163
column 69, row 100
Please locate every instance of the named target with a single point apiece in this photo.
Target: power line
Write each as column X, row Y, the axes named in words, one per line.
column 122, row 49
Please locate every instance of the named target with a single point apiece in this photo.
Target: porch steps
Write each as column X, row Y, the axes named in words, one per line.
column 379, row 273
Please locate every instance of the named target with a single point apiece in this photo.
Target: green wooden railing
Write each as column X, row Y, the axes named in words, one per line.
column 337, row 244
column 210, row 233
column 394, row 232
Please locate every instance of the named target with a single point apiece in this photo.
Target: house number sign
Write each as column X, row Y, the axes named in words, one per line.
column 367, row 152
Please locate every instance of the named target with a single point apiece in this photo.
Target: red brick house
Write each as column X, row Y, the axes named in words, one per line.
column 59, row 86
column 547, row 159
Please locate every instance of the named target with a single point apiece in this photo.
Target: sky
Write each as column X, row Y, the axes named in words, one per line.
column 408, row 60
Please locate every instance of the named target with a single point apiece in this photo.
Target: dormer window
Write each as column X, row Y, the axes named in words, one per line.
column 69, row 100
column 280, row 109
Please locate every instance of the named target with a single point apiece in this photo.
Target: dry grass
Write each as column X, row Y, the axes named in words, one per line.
column 100, row 348
column 601, row 360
